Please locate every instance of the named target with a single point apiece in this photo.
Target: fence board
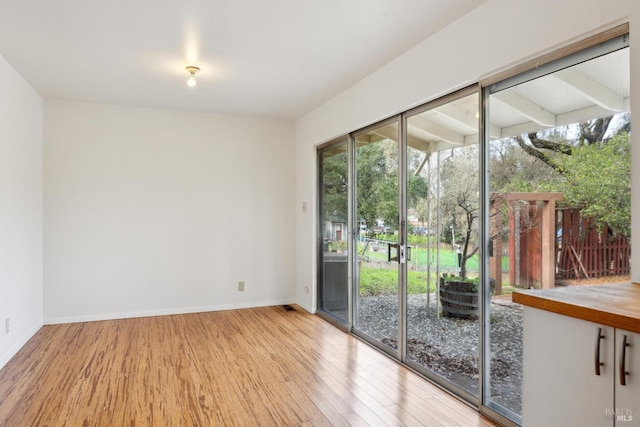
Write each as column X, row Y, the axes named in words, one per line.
column 599, row 253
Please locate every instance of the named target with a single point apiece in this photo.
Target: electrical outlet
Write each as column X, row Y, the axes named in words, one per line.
column 7, row 325
column 306, row 289
column 241, row 286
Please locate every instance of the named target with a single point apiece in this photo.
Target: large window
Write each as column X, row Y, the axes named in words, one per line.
column 559, row 193
column 448, row 208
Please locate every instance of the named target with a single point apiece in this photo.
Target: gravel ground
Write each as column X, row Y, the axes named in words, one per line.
column 449, row 346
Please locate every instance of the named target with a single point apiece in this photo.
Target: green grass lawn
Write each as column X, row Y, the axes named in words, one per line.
column 448, row 257
column 379, row 281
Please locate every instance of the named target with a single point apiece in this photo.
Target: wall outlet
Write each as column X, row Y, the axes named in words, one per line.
column 306, row 289
column 7, row 325
column 241, row 286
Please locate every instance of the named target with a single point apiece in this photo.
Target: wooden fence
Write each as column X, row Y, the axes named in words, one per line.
column 583, row 251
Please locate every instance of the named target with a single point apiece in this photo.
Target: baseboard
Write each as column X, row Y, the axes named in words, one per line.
column 306, row 307
column 162, row 312
column 4, row 359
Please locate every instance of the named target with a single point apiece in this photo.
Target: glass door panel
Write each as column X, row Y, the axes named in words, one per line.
column 442, row 276
column 377, row 255
column 333, row 263
column 549, row 211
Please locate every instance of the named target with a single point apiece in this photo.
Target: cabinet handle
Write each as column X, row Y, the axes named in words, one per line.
column 596, row 356
column 622, row 372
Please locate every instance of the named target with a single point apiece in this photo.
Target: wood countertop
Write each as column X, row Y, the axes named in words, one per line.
column 617, row 306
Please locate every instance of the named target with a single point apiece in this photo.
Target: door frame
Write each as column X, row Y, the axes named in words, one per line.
column 325, row 314
column 475, row 400
column 354, row 233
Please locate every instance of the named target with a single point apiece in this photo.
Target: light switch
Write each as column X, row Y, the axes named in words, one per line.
column 304, row 207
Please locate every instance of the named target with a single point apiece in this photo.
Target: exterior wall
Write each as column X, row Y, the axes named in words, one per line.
column 494, row 37
column 153, row 212
column 20, row 211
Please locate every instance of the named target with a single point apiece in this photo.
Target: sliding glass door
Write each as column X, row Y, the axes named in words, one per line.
column 451, row 206
column 377, row 243
column 417, row 280
column 443, row 217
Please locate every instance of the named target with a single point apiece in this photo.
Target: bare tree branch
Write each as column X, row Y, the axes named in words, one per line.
column 593, row 130
column 549, row 145
column 534, row 152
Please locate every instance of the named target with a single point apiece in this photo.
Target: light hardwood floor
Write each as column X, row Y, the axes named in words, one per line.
column 261, row 366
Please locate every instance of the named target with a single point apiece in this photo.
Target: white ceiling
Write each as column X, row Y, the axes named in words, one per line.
column 599, row 87
column 277, row 58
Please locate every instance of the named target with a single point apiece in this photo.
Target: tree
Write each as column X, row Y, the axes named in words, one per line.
column 377, row 176
column 589, row 162
column 540, row 145
column 513, row 170
column 598, row 180
column 459, row 198
column 377, row 183
column 334, row 185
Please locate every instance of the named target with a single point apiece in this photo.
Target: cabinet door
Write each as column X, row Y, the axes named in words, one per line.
column 561, row 387
column 627, row 400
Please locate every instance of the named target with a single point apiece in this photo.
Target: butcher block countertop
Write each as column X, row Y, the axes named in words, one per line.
column 617, row 306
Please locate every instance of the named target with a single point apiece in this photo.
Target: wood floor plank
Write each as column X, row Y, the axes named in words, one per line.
column 253, row 367
column 405, row 417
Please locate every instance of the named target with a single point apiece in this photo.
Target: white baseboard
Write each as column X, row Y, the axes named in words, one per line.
column 306, row 307
column 4, row 359
column 162, row 312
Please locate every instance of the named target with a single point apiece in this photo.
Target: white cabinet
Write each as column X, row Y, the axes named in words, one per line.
column 561, row 386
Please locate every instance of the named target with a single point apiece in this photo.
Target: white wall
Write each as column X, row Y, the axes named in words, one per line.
column 155, row 212
column 20, row 211
column 493, row 37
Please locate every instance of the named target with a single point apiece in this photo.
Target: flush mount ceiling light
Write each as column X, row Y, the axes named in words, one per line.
column 192, row 75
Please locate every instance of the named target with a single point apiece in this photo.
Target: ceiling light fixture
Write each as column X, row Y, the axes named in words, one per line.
column 192, row 75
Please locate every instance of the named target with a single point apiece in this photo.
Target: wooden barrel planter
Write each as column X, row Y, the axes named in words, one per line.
column 459, row 299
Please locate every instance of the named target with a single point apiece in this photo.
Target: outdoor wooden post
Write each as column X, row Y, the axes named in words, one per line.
column 547, row 230
column 547, row 234
column 531, row 254
column 512, row 244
